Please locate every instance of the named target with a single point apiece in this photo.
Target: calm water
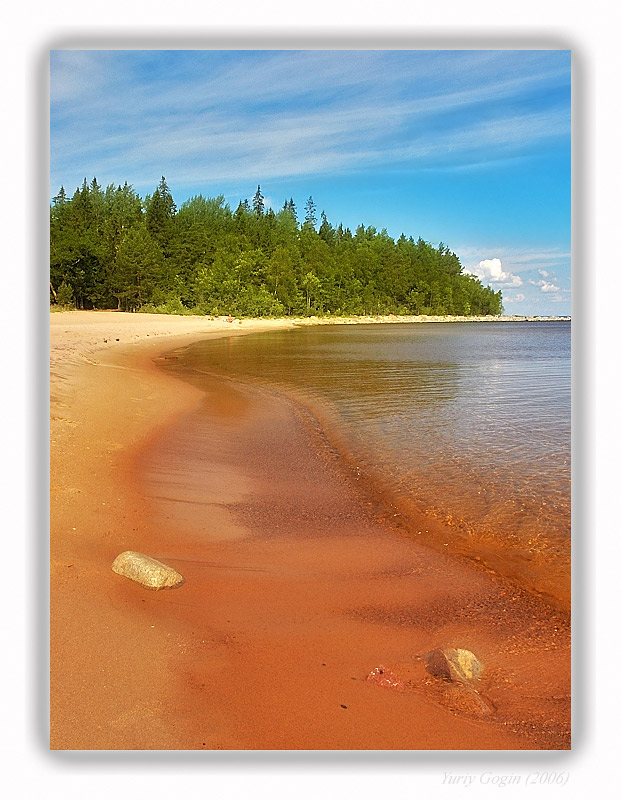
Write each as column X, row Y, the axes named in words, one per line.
column 469, row 422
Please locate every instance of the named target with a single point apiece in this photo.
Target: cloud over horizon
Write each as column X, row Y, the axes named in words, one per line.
column 490, row 270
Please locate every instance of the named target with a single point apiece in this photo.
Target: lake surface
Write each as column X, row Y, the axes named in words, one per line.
column 466, row 422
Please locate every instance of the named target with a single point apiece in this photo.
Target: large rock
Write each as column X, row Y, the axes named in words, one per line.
column 146, row 571
column 454, row 664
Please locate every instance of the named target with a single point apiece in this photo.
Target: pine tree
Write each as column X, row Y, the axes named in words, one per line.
column 258, row 203
column 161, row 210
column 311, row 213
column 61, row 197
column 290, row 207
column 326, row 231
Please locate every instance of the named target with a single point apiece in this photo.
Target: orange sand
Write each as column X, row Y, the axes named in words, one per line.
column 297, row 586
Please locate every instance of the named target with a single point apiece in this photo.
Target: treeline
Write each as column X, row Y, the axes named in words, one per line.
column 111, row 249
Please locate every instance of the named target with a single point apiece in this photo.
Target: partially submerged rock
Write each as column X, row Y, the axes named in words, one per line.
column 454, row 664
column 146, row 571
column 466, row 700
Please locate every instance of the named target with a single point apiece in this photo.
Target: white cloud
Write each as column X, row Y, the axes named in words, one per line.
column 545, row 286
column 531, row 264
column 526, row 259
column 490, row 269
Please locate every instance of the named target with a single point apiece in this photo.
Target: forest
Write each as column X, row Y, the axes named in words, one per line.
column 109, row 248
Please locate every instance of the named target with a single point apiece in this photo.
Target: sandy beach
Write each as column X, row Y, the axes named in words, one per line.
column 297, row 586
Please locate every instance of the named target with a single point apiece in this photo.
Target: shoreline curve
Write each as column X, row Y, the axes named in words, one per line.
column 126, row 669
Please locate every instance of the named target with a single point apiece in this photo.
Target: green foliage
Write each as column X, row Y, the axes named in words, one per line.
column 170, row 306
column 108, row 248
column 138, row 268
column 64, row 295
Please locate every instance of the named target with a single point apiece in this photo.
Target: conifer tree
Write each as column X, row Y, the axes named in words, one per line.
column 311, row 213
column 258, row 203
column 60, row 198
column 290, row 207
column 161, row 210
column 326, row 231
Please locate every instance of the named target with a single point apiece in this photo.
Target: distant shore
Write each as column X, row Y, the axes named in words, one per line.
column 393, row 318
column 269, row 643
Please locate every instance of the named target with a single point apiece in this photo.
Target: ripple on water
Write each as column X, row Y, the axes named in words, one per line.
column 469, row 421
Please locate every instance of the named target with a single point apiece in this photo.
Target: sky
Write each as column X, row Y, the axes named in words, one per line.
column 470, row 148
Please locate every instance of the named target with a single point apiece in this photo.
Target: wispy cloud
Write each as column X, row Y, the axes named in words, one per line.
column 222, row 116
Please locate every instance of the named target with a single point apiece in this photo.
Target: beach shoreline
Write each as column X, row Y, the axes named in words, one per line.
column 190, row 668
column 101, row 371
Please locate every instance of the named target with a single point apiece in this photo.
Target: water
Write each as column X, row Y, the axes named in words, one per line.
column 468, row 423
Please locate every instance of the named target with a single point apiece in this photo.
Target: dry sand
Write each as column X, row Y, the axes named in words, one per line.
column 297, row 587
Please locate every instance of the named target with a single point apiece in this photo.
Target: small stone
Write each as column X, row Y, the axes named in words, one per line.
column 454, row 664
column 146, row 571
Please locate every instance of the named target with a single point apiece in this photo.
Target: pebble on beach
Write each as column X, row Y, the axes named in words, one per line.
column 146, row 571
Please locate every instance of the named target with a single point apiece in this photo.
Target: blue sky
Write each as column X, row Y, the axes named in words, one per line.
column 471, row 148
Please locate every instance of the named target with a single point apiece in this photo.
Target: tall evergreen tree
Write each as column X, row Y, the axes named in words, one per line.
column 326, row 231
column 290, row 207
column 258, row 203
column 160, row 213
column 61, row 197
column 310, row 218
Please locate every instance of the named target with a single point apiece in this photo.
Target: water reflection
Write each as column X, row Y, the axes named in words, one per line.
column 470, row 421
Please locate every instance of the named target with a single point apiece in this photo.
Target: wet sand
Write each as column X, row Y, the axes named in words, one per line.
column 298, row 585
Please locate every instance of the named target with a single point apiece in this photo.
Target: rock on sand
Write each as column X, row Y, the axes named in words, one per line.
column 454, row 664
column 146, row 571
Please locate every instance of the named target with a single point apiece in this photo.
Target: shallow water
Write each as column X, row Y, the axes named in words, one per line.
column 467, row 422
